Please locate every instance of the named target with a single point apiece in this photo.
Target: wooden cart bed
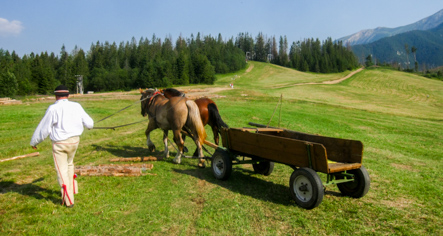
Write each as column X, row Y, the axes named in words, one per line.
column 323, row 154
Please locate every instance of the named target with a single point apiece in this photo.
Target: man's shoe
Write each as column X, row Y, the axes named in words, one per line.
column 71, row 206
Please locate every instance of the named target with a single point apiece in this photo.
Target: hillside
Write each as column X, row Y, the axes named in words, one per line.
column 388, row 111
column 375, row 90
column 429, row 46
column 372, row 35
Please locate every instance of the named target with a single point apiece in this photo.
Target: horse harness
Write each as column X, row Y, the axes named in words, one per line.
column 151, row 100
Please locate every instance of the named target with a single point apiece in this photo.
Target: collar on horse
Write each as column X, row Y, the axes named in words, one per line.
column 151, row 98
column 154, row 95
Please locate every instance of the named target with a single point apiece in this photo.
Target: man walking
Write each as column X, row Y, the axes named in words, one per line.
column 63, row 123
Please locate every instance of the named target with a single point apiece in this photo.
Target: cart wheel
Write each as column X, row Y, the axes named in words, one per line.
column 357, row 188
column 263, row 167
column 221, row 164
column 306, row 188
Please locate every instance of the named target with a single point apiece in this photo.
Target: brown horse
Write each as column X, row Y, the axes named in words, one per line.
column 174, row 114
column 208, row 111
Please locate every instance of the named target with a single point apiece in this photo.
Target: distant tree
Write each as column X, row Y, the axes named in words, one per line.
column 368, row 61
column 268, row 49
column 9, row 84
column 283, row 51
column 80, row 67
column 414, row 51
column 182, row 69
column 305, row 66
column 245, row 42
column 274, row 51
column 22, row 72
column 260, row 51
column 63, row 70
column 407, row 55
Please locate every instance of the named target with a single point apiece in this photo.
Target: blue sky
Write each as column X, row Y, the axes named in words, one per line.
column 46, row 25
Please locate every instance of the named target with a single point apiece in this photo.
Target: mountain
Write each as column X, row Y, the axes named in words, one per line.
column 371, row 35
column 429, row 44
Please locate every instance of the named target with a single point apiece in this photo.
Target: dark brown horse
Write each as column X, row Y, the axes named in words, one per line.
column 174, row 114
column 208, row 111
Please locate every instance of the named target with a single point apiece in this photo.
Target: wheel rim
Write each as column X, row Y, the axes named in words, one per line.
column 218, row 166
column 302, row 188
column 351, row 186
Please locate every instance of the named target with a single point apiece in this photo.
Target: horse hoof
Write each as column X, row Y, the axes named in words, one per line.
column 202, row 164
column 185, row 149
column 176, row 161
column 152, row 148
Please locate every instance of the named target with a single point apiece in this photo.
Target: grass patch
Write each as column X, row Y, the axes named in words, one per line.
column 403, row 153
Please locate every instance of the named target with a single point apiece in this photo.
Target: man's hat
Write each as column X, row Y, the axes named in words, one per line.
column 61, row 90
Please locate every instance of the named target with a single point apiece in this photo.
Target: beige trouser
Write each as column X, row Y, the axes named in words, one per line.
column 63, row 153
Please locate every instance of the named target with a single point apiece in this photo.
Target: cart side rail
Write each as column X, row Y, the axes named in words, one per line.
column 287, row 151
column 338, row 150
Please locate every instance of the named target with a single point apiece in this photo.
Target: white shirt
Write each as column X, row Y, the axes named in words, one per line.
column 63, row 119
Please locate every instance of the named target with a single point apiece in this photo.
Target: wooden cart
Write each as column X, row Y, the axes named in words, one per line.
column 307, row 154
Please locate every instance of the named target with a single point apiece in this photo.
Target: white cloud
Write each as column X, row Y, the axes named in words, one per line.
column 8, row 28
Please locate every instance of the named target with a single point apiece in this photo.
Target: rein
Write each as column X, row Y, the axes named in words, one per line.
column 118, row 126
column 141, row 100
column 114, row 127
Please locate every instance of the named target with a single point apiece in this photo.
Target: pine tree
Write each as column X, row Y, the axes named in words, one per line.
column 9, row 84
column 259, row 49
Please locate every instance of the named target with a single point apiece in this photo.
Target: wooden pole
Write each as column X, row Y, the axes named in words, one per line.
column 22, row 156
column 213, row 145
column 281, row 104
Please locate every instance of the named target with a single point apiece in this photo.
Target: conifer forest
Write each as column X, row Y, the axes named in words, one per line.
column 156, row 62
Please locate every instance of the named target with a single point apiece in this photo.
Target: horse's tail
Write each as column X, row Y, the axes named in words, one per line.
column 215, row 117
column 194, row 121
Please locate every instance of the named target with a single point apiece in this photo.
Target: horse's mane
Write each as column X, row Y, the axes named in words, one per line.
column 174, row 92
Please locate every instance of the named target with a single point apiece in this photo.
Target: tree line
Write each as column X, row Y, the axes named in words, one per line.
column 307, row 55
column 108, row 66
column 163, row 63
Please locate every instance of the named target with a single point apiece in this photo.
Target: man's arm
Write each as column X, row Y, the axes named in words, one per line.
column 87, row 120
column 43, row 129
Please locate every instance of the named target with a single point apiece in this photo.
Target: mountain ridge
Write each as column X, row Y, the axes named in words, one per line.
column 371, row 35
column 429, row 45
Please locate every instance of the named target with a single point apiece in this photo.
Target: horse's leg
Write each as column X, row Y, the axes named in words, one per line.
column 196, row 152
column 151, row 127
column 199, row 152
column 165, row 141
column 185, row 149
column 179, row 141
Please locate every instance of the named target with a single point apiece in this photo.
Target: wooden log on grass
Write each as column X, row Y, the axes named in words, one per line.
column 22, row 156
column 113, row 170
column 140, row 159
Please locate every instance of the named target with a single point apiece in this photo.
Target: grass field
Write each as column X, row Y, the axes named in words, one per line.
column 397, row 116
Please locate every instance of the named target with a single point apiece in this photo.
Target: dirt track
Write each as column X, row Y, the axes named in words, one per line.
column 325, row 82
column 194, row 93
column 342, row 79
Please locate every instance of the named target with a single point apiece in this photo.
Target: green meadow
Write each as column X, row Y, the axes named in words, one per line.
column 398, row 117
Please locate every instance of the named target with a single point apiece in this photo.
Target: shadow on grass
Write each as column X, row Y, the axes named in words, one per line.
column 30, row 189
column 128, row 152
column 125, row 151
column 244, row 182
